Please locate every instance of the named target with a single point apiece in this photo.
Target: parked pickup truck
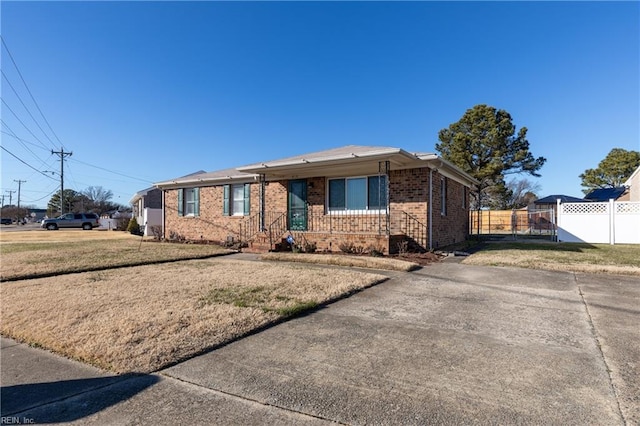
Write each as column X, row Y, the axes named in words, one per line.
column 85, row 221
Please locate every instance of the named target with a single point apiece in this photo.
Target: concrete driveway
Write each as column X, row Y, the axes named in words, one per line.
column 449, row 344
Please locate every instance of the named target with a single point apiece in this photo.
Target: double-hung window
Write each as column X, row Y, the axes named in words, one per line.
column 236, row 199
column 443, row 196
column 189, row 202
column 357, row 193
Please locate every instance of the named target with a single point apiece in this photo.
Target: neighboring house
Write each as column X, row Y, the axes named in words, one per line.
column 550, row 202
column 367, row 197
column 606, row 194
column 113, row 219
column 147, row 208
column 547, row 204
column 36, row 215
column 633, row 187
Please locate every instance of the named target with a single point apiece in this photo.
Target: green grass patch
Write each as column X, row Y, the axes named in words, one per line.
column 296, row 309
column 259, row 297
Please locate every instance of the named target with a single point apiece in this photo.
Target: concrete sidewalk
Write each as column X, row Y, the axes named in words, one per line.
column 449, row 344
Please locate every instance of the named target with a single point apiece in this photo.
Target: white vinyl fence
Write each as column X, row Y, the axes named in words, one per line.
column 612, row 222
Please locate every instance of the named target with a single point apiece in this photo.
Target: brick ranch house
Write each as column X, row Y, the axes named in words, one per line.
column 370, row 197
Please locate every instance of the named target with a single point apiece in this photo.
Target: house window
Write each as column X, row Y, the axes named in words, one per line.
column 236, row 199
column 443, row 196
column 189, row 202
column 359, row 193
column 464, row 197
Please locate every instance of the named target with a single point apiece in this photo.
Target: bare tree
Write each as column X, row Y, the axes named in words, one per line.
column 521, row 193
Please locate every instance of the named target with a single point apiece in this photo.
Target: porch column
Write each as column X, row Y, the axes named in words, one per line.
column 262, row 202
column 383, row 169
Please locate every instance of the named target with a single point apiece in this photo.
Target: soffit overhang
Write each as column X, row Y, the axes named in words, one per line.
column 342, row 165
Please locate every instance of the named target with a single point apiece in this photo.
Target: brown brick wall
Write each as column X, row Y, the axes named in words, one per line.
column 212, row 224
column 452, row 227
column 409, row 192
column 331, row 242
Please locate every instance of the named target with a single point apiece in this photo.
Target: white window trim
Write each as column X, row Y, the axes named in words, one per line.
column 185, row 203
column 232, row 200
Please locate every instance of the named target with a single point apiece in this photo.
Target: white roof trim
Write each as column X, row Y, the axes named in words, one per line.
column 312, row 159
column 633, row 175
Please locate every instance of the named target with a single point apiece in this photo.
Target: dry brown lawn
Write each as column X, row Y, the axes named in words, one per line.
column 369, row 262
column 144, row 318
column 574, row 257
column 32, row 254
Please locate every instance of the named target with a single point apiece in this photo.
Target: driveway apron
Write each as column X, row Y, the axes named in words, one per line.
column 448, row 344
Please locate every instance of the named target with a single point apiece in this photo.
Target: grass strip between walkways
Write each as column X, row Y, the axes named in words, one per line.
column 41, row 253
column 622, row 259
column 369, row 262
column 144, row 318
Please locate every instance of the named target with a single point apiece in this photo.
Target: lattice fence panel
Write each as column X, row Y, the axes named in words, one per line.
column 627, row 208
column 585, row 208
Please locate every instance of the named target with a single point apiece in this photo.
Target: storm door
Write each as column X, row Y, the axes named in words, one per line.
column 298, row 205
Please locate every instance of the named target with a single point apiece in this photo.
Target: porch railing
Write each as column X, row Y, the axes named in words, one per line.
column 252, row 225
column 381, row 223
column 349, row 222
column 415, row 230
column 276, row 228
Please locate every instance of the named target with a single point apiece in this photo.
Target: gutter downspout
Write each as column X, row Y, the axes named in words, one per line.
column 163, row 215
column 430, row 209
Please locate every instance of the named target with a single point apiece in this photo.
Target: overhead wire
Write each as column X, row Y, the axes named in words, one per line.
column 28, row 112
column 111, row 171
column 41, row 145
column 24, row 162
column 13, row 134
column 29, row 91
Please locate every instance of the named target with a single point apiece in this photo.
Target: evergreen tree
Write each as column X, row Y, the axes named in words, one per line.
column 484, row 144
column 611, row 172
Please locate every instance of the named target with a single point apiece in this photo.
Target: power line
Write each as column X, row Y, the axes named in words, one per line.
column 20, row 182
column 28, row 112
column 24, row 162
column 21, row 142
column 18, row 138
column 62, row 154
column 29, row 91
column 10, row 192
column 111, row 171
column 46, row 196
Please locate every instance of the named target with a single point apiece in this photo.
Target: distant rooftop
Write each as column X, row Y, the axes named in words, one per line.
column 605, row 194
column 552, row 199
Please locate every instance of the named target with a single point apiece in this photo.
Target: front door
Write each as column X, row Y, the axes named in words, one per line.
column 298, row 205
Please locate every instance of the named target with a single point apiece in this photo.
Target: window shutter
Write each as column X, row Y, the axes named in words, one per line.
column 225, row 200
column 196, row 202
column 247, row 198
column 180, row 202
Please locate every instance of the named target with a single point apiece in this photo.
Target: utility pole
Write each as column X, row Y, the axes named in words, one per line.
column 10, row 192
column 62, row 154
column 20, row 182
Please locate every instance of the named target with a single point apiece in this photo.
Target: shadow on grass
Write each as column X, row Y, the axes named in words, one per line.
column 106, row 268
column 300, row 312
column 568, row 247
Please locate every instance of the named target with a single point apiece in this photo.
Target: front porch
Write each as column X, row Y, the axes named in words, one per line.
column 384, row 232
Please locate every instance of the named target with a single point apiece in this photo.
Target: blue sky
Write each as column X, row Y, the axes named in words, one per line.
column 142, row 92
